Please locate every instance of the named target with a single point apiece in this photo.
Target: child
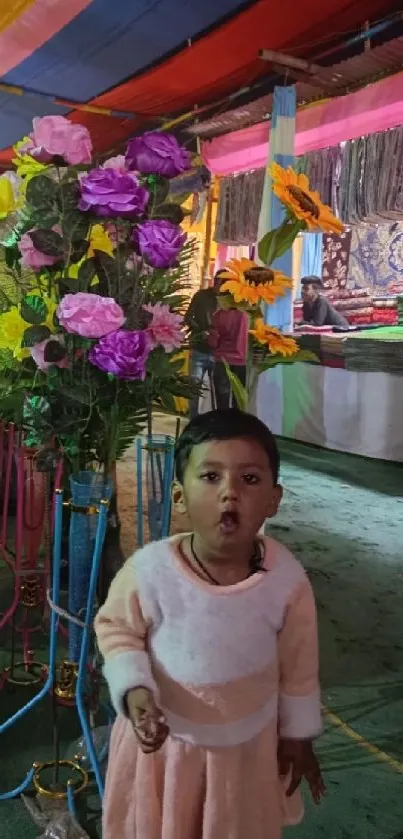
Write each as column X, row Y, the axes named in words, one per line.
column 210, row 648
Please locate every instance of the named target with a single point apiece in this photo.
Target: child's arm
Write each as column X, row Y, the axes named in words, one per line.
column 299, row 703
column 121, row 631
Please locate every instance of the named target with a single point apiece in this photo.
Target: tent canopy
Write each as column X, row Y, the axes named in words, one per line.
column 147, row 59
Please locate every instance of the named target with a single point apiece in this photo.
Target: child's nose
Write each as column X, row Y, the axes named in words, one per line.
column 229, row 489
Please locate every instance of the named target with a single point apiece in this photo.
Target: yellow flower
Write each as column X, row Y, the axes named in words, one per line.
column 25, row 165
column 249, row 283
column 99, row 241
column 12, row 328
column 277, row 343
column 294, row 192
column 8, row 203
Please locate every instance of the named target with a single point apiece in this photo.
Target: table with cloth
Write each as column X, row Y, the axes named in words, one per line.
column 351, row 401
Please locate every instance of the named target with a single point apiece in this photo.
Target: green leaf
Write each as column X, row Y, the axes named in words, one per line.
column 37, row 412
column 238, row 389
column 54, row 351
column 33, row 309
column 106, row 269
column 158, row 189
column 12, row 256
column 302, row 355
column 78, row 394
column 78, row 249
column 171, row 212
column 48, row 242
column 76, row 225
column 86, row 273
column 275, row 243
column 41, row 192
column 68, row 197
column 34, row 335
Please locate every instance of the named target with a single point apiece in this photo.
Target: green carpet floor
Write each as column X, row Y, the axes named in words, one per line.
column 343, row 517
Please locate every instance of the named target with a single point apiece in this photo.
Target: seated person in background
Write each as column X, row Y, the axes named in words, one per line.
column 317, row 311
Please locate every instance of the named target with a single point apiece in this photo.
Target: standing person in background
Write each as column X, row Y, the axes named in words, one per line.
column 198, row 319
column 230, row 341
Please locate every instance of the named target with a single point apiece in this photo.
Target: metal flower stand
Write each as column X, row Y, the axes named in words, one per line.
column 155, row 462
column 77, row 779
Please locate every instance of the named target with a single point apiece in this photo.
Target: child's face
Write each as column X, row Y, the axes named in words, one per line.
column 227, row 492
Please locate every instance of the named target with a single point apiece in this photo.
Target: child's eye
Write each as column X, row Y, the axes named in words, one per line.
column 250, row 479
column 210, row 477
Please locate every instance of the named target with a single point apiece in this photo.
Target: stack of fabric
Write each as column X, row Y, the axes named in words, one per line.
column 332, row 350
column 400, row 310
column 355, row 304
column 385, row 311
column 298, row 312
column 378, row 352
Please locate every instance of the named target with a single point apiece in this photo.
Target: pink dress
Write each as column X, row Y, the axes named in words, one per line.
column 231, row 668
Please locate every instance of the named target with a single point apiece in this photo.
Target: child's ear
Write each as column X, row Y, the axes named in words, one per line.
column 274, row 501
column 178, row 498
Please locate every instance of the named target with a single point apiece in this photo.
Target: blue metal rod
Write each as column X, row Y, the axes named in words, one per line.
column 7, row 796
column 139, row 466
column 48, row 686
column 168, row 475
column 82, row 670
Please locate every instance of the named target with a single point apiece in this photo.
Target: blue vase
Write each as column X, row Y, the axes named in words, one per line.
column 87, row 489
column 155, row 468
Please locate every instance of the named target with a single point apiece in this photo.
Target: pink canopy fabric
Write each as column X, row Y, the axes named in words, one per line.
column 376, row 107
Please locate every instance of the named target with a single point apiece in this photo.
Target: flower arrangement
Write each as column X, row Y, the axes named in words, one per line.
column 90, row 316
column 248, row 285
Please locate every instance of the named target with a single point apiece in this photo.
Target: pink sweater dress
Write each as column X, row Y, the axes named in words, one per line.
column 232, row 668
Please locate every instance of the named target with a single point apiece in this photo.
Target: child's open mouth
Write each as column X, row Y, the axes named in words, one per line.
column 229, row 522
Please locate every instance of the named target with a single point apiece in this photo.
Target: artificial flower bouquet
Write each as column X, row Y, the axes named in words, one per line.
column 251, row 287
column 90, row 305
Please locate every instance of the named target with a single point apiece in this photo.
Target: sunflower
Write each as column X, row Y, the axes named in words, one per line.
column 250, row 283
column 294, row 192
column 277, row 343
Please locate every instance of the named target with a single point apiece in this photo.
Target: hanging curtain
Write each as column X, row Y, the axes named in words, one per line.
column 281, row 150
column 323, row 168
column 239, row 202
column 311, row 263
column 335, row 260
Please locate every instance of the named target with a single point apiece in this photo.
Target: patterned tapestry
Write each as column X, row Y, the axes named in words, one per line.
column 376, row 258
column 336, row 255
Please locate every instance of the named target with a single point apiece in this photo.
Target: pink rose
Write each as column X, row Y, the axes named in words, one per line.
column 165, row 328
column 31, row 257
column 38, row 353
column 118, row 162
column 57, row 137
column 90, row 315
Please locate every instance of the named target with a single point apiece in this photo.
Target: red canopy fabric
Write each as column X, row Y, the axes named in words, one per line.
column 225, row 60
column 222, row 62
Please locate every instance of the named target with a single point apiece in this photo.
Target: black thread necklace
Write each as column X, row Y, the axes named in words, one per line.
column 255, row 562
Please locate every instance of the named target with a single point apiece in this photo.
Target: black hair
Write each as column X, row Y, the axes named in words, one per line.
column 312, row 279
column 225, row 425
column 219, row 278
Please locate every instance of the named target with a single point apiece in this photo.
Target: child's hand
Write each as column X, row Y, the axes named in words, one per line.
column 148, row 721
column 298, row 757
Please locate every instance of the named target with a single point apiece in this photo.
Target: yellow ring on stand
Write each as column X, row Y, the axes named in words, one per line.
column 11, row 680
column 78, row 785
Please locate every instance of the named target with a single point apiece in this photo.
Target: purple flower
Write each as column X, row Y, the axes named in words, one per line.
column 157, row 153
column 109, row 192
column 159, row 241
column 122, row 353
